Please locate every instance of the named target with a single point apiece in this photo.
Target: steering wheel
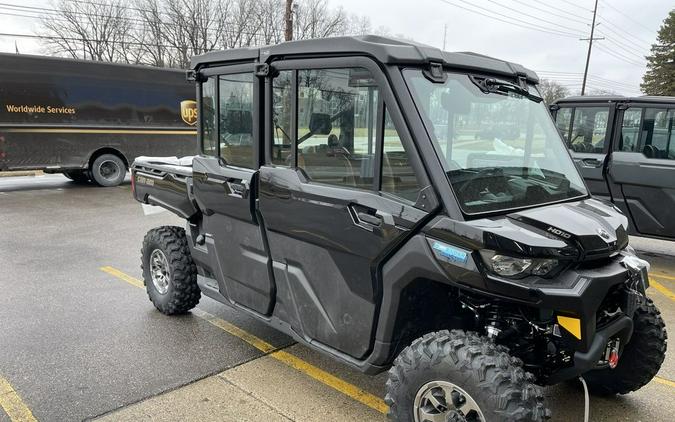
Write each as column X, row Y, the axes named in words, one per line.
column 479, row 175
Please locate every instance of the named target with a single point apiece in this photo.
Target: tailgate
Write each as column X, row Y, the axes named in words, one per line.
column 164, row 182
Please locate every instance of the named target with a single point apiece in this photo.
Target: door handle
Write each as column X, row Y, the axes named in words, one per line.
column 591, row 162
column 373, row 220
column 238, row 189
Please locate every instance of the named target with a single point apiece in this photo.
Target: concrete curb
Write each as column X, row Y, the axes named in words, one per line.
column 21, row 173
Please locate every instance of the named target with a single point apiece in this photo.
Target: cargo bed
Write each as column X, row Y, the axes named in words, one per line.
column 165, row 182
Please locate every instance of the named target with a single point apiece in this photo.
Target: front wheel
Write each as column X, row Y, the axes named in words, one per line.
column 169, row 274
column 461, row 376
column 641, row 358
column 108, row 170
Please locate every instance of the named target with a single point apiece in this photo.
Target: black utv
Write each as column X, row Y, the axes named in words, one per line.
column 347, row 194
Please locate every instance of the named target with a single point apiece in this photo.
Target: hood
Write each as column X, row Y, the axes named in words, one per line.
column 581, row 230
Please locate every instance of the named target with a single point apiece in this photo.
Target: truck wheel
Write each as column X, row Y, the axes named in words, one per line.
column 461, row 376
column 641, row 358
column 169, row 274
column 78, row 176
column 108, row 170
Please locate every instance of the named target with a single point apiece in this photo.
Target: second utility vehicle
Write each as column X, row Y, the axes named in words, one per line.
column 406, row 209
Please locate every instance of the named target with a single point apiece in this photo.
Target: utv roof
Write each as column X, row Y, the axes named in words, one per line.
column 384, row 50
column 615, row 99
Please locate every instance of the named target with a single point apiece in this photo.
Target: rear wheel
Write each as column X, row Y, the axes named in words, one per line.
column 169, row 273
column 108, row 170
column 641, row 358
column 461, row 376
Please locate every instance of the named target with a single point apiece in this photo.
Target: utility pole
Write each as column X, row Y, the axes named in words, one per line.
column 445, row 34
column 288, row 33
column 590, row 46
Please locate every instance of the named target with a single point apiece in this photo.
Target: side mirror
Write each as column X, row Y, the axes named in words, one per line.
column 320, row 124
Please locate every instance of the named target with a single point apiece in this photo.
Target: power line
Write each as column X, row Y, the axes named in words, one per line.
column 502, row 18
column 622, row 33
column 532, row 16
column 575, row 14
column 651, row 30
column 624, row 47
column 47, row 37
column 542, row 9
column 620, row 57
column 56, row 15
column 576, row 5
column 595, row 79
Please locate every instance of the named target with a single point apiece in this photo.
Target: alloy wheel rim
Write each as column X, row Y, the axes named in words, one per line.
column 159, row 271
column 109, row 169
column 441, row 401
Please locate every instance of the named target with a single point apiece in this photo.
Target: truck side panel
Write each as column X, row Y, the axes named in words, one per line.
column 57, row 113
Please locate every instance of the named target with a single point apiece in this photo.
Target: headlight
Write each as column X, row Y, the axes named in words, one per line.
column 509, row 266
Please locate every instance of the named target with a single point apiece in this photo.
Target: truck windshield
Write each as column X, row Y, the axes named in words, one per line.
column 499, row 145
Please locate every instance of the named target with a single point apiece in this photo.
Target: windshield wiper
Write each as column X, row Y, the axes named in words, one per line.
column 492, row 85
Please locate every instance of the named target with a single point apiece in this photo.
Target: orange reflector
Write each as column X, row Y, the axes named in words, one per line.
column 573, row 325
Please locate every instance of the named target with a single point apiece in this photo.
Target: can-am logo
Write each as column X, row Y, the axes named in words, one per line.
column 558, row 232
column 188, row 111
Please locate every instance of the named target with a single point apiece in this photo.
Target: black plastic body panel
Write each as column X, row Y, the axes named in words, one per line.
column 164, row 184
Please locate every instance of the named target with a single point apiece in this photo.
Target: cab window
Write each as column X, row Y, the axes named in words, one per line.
column 589, row 130
column 398, row 176
column 657, row 133
column 236, row 120
column 563, row 120
column 208, row 116
column 630, row 130
column 281, row 118
column 336, row 118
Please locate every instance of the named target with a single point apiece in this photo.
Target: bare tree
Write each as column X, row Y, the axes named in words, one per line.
column 314, row 19
column 149, row 35
column 270, row 21
column 95, row 31
column 358, row 25
column 193, row 27
column 552, row 90
column 169, row 32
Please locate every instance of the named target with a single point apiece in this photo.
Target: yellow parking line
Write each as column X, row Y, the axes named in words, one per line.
column 664, row 381
column 312, row 371
column 13, row 405
column 332, row 381
column 660, row 287
column 663, row 276
column 124, row 277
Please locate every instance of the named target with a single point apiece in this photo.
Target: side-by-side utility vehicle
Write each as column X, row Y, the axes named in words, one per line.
column 406, row 209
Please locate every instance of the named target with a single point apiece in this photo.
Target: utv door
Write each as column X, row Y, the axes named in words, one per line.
column 225, row 181
column 331, row 214
column 585, row 130
column 642, row 169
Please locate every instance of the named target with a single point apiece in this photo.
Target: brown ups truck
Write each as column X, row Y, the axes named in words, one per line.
column 90, row 120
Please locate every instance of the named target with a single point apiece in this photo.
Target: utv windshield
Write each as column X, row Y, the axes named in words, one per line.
column 500, row 147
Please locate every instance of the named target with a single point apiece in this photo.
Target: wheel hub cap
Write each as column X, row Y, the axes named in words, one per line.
column 159, row 271
column 109, row 170
column 442, row 401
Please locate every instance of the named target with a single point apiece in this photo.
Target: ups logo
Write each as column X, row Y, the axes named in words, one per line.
column 188, row 111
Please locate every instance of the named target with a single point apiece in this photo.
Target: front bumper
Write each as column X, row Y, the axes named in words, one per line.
column 622, row 328
column 601, row 301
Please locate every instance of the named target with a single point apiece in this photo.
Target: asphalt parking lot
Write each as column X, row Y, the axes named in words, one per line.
column 79, row 339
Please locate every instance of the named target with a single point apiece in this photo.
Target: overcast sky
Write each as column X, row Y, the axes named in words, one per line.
column 628, row 26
